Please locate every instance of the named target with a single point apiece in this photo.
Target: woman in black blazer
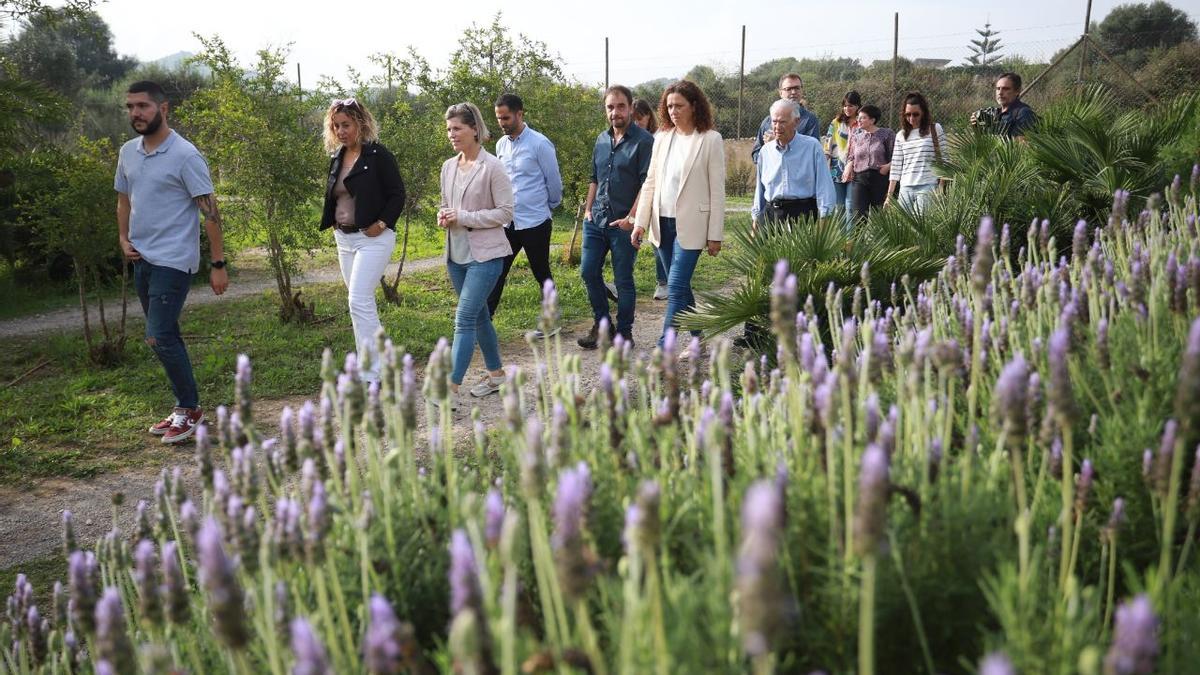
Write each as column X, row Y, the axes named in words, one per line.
column 363, row 198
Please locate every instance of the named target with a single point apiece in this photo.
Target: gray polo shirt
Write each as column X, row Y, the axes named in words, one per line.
column 164, row 221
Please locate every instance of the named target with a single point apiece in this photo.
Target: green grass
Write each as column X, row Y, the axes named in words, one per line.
column 42, row 573
column 74, row 419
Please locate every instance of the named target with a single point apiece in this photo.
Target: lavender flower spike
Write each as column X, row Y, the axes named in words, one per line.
column 145, row 575
column 174, row 589
column 112, row 642
column 996, row 663
column 219, row 578
column 570, row 506
column 241, row 388
column 981, row 268
column 493, row 517
column 464, row 580
column 83, row 574
column 872, row 499
column 308, row 650
column 1135, row 639
column 381, row 646
column 1059, row 393
column 759, row 582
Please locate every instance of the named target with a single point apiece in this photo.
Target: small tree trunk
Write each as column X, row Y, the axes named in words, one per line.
column 83, row 305
column 100, row 304
column 124, row 298
column 390, row 292
column 568, row 255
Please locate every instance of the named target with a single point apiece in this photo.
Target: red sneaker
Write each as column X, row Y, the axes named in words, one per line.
column 183, row 425
column 160, row 428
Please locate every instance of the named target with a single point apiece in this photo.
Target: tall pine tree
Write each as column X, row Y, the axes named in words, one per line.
column 986, row 50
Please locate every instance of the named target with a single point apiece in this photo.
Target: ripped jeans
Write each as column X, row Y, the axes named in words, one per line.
column 162, row 291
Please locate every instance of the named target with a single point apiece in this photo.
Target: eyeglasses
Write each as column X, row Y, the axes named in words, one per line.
column 912, row 114
column 339, row 103
column 791, row 89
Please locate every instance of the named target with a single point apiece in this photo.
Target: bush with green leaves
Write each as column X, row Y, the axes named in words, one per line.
column 958, row 479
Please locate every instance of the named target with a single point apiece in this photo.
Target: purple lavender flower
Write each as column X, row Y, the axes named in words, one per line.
column 381, row 646
column 174, row 590
column 996, row 663
column 570, row 509
column 204, row 456
column 549, row 319
column 83, row 575
column 464, row 575
column 288, row 438
column 642, row 524
column 1059, row 392
column 69, row 543
column 1193, row 498
column 1117, row 517
column 241, row 388
column 494, row 512
column 1162, row 462
column 308, row 650
column 60, row 603
column 760, row 585
column 219, row 578
column 985, row 257
column 145, row 576
column 1010, row 399
column 318, row 523
column 1083, row 485
column 112, row 642
column 873, row 490
column 38, row 630
column 1135, row 639
column 1187, row 393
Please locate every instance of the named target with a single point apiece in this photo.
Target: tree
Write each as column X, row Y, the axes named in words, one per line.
column 255, row 129
column 1133, row 30
column 68, row 51
column 74, row 214
column 985, row 51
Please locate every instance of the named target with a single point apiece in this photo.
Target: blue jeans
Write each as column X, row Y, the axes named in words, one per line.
column 680, row 264
column 162, row 291
column 597, row 243
column 660, row 272
column 473, row 282
column 842, row 191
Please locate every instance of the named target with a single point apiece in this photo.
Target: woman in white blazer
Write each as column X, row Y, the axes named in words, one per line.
column 682, row 203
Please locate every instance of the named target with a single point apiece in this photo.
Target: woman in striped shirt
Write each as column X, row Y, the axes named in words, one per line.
column 918, row 147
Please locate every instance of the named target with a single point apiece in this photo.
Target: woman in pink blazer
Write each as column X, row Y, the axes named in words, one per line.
column 477, row 201
column 682, row 203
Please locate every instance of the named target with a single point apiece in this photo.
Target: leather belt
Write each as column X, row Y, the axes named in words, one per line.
column 348, row 229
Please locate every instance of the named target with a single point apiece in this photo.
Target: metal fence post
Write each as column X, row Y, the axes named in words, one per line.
column 741, row 82
column 895, row 63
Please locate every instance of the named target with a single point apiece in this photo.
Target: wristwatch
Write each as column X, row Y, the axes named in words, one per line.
column 217, row 264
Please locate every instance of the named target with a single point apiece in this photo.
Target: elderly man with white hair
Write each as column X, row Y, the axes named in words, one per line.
column 793, row 183
column 793, row 175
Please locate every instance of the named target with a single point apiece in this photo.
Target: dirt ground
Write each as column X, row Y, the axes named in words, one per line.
column 31, row 514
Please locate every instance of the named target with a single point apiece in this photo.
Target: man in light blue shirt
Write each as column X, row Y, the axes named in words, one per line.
column 793, row 183
column 793, row 178
column 530, row 161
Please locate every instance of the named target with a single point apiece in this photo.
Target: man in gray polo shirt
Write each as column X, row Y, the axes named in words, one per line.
column 163, row 186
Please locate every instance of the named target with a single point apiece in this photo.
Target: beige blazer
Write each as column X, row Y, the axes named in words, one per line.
column 487, row 206
column 700, row 208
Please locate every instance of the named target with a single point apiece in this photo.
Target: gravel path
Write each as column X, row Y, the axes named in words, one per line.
column 252, row 283
column 31, row 515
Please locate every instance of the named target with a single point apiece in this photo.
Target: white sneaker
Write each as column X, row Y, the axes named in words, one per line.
column 538, row 334
column 611, row 289
column 487, row 385
column 660, row 292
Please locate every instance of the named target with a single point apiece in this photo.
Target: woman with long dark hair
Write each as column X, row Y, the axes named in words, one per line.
column 643, row 116
column 918, row 146
column 363, row 198
column 838, row 144
column 868, row 162
column 682, row 202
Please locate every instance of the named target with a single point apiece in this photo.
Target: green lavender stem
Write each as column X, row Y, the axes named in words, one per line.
column 866, row 617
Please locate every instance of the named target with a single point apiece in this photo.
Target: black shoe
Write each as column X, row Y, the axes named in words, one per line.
column 590, row 340
column 628, row 338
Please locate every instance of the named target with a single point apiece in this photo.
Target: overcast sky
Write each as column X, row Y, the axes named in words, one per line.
column 647, row 39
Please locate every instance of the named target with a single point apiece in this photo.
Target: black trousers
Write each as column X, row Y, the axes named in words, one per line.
column 781, row 210
column 536, row 242
column 868, row 191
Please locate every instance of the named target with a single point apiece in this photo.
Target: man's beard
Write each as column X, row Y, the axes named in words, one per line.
column 151, row 126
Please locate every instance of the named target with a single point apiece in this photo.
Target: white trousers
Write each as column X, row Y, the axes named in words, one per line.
column 363, row 260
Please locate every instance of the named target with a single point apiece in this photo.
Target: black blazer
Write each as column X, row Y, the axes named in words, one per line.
column 373, row 181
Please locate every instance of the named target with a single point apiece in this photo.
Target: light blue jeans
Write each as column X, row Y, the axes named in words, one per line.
column 473, row 282
column 916, row 197
column 680, row 264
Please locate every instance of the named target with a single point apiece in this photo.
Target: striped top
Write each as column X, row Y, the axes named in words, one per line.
column 913, row 157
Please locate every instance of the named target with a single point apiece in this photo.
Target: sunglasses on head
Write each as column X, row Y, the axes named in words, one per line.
column 339, row 103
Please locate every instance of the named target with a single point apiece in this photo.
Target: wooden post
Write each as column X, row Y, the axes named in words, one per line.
column 298, row 85
column 1083, row 51
column 895, row 63
column 741, row 83
column 605, row 63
